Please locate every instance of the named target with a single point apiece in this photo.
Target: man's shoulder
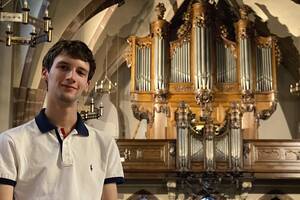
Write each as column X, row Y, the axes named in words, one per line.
column 25, row 128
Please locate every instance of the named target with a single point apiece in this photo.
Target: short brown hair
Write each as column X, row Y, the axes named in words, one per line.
column 74, row 48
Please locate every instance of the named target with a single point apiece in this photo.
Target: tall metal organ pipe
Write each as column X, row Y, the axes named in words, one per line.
column 201, row 46
column 160, row 49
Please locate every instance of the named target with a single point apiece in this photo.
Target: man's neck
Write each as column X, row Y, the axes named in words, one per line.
column 61, row 116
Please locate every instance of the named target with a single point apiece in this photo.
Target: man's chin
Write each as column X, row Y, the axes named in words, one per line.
column 69, row 99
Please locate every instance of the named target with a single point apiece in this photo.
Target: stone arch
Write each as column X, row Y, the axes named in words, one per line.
column 275, row 195
column 142, row 195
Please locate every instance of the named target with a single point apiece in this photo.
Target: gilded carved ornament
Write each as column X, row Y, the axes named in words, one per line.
column 234, row 115
column 248, row 101
column 140, row 113
column 128, row 54
column 244, row 12
column 244, row 28
column 266, row 113
column 228, row 44
column 128, row 58
column 277, row 51
column 224, row 31
column 160, row 11
column 201, row 20
column 204, row 98
column 184, row 29
column 159, row 29
column 178, row 43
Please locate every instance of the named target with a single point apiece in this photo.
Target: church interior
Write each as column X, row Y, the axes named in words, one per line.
column 202, row 96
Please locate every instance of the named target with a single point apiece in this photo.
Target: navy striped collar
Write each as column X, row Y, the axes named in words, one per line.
column 45, row 125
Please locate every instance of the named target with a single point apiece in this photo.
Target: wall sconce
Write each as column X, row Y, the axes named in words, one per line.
column 36, row 37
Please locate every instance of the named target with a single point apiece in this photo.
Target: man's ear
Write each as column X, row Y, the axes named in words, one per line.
column 45, row 73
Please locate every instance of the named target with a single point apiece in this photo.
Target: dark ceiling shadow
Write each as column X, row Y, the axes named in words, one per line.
column 296, row 1
column 290, row 55
column 290, row 62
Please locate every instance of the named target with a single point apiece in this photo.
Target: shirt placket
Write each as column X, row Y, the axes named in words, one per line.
column 66, row 154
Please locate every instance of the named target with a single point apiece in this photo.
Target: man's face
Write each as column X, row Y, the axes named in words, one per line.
column 67, row 79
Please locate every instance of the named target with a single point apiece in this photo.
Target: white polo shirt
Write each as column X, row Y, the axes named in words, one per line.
column 41, row 165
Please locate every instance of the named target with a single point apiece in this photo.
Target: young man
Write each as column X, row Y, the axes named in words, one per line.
column 56, row 156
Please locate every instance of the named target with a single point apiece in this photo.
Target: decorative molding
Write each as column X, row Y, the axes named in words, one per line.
column 265, row 154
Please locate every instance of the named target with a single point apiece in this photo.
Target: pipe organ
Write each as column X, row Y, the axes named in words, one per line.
column 207, row 88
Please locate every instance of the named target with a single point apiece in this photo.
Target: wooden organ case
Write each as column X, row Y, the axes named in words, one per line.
column 205, row 69
column 203, row 95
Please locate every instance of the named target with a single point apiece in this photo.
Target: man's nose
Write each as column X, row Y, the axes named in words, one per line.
column 71, row 74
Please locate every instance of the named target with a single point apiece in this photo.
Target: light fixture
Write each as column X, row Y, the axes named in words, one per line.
column 295, row 90
column 41, row 28
column 106, row 86
column 93, row 112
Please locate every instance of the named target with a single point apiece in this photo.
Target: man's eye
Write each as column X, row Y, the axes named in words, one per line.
column 82, row 73
column 63, row 67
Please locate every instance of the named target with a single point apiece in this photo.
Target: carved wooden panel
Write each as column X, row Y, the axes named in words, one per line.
column 155, row 159
column 147, row 155
column 282, row 156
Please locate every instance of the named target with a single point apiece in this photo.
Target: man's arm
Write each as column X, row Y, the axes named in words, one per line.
column 6, row 192
column 109, row 192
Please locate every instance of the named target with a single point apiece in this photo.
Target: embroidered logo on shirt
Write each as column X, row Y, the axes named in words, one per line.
column 91, row 167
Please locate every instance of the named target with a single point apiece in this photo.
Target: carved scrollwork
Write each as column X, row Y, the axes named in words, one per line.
column 292, row 155
column 266, row 114
column 141, row 113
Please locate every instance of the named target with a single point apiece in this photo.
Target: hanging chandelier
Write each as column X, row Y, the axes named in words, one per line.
column 41, row 28
column 106, row 86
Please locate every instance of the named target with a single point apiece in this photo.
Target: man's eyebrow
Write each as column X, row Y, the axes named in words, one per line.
column 67, row 63
column 63, row 62
column 83, row 69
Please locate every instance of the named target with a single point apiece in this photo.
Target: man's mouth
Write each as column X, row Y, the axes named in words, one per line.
column 69, row 87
